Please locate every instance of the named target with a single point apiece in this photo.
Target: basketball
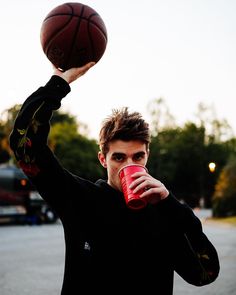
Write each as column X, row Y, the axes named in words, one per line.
column 73, row 34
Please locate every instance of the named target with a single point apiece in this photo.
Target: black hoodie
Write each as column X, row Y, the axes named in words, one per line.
column 109, row 248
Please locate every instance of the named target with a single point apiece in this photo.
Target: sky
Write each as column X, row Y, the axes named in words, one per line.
column 181, row 50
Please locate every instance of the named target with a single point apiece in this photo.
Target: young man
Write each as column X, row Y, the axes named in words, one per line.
column 110, row 248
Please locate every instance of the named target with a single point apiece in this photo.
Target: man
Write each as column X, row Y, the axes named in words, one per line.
column 111, row 249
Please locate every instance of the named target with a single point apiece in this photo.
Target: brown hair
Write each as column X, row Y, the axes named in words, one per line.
column 124, row 126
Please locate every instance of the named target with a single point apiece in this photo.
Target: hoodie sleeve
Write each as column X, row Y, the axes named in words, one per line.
column 28, row 139
column 32, row 125
column 193, row 256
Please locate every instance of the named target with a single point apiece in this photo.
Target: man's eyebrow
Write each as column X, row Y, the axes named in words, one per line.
column 118, row 154
column 141, row 153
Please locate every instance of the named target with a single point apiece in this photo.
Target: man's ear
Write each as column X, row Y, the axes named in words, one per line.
column 102, row 159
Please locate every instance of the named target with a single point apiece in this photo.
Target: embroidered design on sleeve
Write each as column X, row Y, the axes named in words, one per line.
column 30, row 169
column 203, row 259
column 27, row 162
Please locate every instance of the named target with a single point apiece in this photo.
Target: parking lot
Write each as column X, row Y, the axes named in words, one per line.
column 32, row 260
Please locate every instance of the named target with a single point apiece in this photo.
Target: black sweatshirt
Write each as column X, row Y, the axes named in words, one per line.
column 109, row 248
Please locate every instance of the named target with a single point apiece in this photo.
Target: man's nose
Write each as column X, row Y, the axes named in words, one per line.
column 129, row 161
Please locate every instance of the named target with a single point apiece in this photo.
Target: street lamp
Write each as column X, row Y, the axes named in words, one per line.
column 212, row 166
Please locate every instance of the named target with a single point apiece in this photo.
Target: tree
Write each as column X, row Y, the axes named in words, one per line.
column 76, row 152
column 161, row 118
column 224, row 198
column 4, row 154
column 176, row 158
column 180, row 157
column 217, row 153
column 216, row 130
column 6, row 125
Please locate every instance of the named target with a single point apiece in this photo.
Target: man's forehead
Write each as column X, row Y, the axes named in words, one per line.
column 120, row 146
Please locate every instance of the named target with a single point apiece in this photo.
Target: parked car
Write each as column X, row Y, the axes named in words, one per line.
column 19, row 200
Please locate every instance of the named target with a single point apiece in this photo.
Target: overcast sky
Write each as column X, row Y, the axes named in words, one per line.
column 181, row 50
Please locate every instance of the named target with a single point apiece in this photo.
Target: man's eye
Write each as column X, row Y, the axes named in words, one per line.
column 118, row 158
column 138, row 157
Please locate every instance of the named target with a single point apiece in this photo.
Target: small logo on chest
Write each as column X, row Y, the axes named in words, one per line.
column 87, row 246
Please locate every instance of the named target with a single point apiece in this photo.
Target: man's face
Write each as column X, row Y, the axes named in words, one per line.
column 122, row 153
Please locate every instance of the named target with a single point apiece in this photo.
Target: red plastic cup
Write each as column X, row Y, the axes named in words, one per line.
column 133, row 200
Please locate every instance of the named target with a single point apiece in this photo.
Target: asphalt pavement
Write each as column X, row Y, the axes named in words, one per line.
column 32, row 260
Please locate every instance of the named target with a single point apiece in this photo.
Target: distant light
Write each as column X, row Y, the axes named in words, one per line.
column 212, row 166
column 23, row 182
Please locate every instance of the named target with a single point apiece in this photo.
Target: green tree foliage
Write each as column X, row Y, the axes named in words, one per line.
column 61, row 117
column 177, row 158
column 76, row 152
column 224, row 198
column 6, row 124
column 180, row 157
column 4, row 154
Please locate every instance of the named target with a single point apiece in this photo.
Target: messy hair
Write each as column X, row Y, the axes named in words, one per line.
column 124, row 126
